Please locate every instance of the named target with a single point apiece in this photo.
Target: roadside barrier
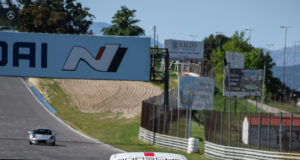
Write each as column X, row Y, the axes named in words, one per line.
column 217, row 151
column 190, row 145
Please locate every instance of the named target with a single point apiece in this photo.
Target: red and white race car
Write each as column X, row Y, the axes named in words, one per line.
column 147, row 156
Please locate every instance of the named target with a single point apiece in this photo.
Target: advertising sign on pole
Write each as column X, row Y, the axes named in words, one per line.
column 196, row 93
column 179, row 49
column 243, row 82
column 236, row 60
column 74, row 56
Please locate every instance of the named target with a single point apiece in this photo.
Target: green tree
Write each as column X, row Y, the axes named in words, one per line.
column 54, row 16
column 212, row 43
column 124, row 24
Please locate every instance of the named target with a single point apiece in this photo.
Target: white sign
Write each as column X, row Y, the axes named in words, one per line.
column 178, row 49
column 236, row 60
column 196, row 92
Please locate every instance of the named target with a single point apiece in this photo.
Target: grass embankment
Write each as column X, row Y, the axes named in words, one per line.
column 119, row 132
column 107, row 127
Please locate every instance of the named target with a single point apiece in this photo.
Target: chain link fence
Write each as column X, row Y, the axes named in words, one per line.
column 168, row 120
column 263, row 131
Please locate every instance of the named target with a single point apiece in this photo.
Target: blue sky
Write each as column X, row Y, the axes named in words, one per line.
column 178, row 19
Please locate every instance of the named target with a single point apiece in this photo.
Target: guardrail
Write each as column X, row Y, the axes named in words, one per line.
column 226, row 152
column 190, row 145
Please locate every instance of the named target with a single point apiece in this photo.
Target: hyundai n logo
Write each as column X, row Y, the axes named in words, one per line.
column 108, row 58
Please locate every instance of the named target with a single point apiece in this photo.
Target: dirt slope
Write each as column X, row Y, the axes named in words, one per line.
column 102, row 95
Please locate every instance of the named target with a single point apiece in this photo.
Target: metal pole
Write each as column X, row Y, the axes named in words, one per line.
column 293, row 87
column 166, row 80
column 262, row 88
column 284, row 52
column 154, row 36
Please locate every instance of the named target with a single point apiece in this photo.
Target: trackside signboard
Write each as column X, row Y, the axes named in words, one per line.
column 179, row 49
column 74, row 56
column 196, row 92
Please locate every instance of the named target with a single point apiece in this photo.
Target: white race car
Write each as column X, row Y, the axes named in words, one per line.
column 42, row 136
column 147, row 156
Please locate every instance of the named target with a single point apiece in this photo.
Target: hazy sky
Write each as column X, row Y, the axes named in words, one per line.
column 179, row 19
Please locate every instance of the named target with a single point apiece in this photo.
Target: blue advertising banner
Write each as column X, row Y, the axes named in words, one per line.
column 74, row 56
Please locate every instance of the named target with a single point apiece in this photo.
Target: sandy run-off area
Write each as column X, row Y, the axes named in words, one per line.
column 123, row 97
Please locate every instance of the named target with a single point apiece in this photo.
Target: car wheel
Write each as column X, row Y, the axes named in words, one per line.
column 30, row 142
column 53, row 144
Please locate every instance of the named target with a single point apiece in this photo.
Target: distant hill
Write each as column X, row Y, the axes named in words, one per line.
column 277, row 56
column 278, row 71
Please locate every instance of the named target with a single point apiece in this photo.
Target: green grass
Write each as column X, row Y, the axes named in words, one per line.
column 241, row 106
column 105, row 126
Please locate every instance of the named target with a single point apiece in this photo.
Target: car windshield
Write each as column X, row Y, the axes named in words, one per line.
column 42, row 131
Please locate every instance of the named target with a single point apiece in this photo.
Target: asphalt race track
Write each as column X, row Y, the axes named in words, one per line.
column 20, row 112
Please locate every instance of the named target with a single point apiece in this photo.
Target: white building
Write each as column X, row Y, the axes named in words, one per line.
column 251, row 128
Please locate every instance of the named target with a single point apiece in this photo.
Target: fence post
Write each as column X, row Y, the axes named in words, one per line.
column 246, row 104
column 190, row 122
column 158, row 124
column 269, row 122
column 178, row 121
column 229, row 139
column 249, row 130
column 199, row 118
column 165, row 118
column 259, row 129
column 291, row 125
column 221, row 128
column 224, row 110
column 216, row 119
column 153, row 123
column 280, row 133
column 171, row 120
column 235, row 102
column 239, row 119
column 255, row 104
column 186, row 122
